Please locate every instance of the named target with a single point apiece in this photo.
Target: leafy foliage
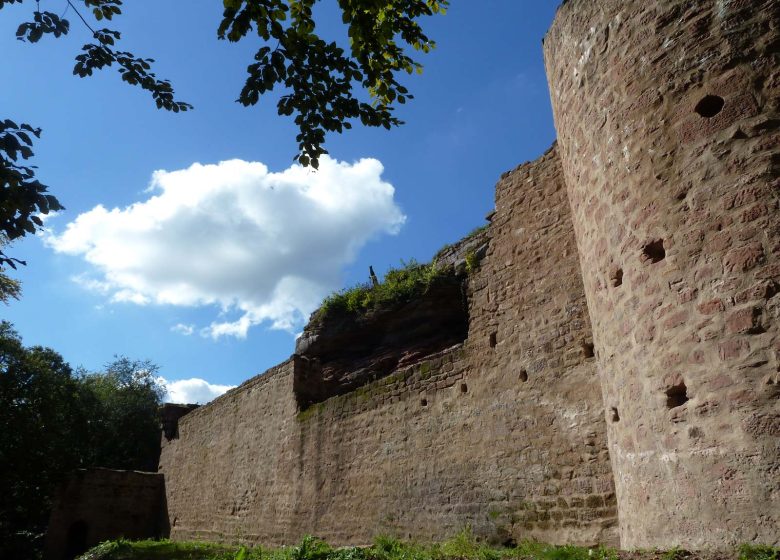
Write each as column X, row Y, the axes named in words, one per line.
column 311, row 548
column 55, row 421
column 43, row 415
column 399, row 284
column 22, row 197
column 472, row 262
column 125, row 427
column 464, row 545
column 10, row 288
column 101, row 53
column 319, row 76
column 168, row 550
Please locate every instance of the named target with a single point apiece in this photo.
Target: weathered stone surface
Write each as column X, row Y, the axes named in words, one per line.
column 475, row 244
column 503, row 432
column 668, row 124
column 342, row 351
column 95, row 505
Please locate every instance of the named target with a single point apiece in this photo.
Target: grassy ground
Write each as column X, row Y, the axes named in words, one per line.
column 461, row 547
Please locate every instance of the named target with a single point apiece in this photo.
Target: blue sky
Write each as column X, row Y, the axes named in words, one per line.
column 206, row 268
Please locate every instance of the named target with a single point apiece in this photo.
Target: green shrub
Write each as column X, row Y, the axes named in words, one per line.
column 758, row 552
column 101, row 551
column 541, row 551
column 465, row 545
column 164, row 549
column 386, row 548
column 472, row 262
column 400, row 284
column 311, row 548
column 348, row 553
column 674, row 553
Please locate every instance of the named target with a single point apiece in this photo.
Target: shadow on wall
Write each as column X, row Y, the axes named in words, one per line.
column 95, row 505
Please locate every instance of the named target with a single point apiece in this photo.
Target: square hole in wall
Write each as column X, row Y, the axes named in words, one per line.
column 588, row 349
column 653, row 251
column 677, row 395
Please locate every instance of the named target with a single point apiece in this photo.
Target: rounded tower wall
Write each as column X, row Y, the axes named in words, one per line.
column 669, row 127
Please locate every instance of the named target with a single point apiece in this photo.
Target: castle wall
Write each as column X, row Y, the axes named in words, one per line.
column 530, row 353
column 96, row 505
column 230, row 474
column 503, row 432
column 667, row 118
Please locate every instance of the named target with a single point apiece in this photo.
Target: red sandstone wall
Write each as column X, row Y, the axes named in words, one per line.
column 504, row 433
column 231, row 474
column 531, row 338
column 688, row 337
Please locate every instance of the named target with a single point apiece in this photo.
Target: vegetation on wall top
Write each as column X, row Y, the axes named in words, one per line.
column 411, row 280
column 473, row 233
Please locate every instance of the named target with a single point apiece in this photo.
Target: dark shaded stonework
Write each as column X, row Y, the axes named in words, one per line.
column 169, row 418
column 343, row 351
column 96, row 505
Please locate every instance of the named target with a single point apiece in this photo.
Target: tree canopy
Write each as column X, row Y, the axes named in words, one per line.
column 55, row 420
column 326, row 86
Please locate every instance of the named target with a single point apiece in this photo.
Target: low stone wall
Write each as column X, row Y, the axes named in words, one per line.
column 96, row 505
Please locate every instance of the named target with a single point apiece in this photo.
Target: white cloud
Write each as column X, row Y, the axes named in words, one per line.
column 181, row 328
column 262, row 246
column 192, row 391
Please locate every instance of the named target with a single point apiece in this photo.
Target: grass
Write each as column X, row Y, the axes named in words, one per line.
column 161, row 550
column 463, row 546
column 472, row 262
column 400, row 284
column 758, row 552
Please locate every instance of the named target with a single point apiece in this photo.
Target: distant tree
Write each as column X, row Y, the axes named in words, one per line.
column 320, row 78
column 43, row 429
column 9, row 288
column 124, row 410
column 53, row 421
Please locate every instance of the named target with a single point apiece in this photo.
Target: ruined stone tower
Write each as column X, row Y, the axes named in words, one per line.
column 667, row 118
